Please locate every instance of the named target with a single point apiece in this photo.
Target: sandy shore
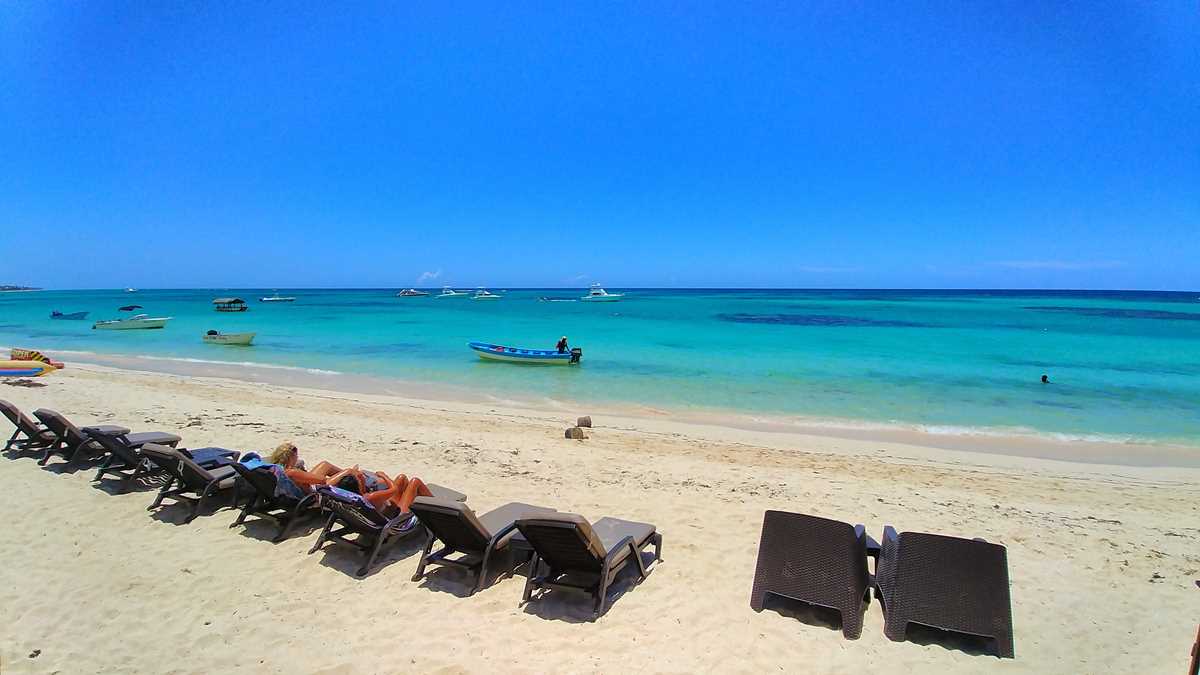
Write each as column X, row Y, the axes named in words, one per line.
column 1102, row 557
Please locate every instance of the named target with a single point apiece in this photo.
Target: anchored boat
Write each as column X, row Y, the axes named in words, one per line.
column 230, row 305
column 213, row 337
column 72, row 316
column 138, row 321
column 411, row 293
column 448, row 292
column 597, row 294
column 549, row 357
column 485, row 294
column 277, row 298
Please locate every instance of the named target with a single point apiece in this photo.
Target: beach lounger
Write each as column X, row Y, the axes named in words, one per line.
column 268, row 503
column 350, row 514
column 583, row 556
column 73, row 443
column 952, row 584
column 35, row 435
column 817, row 561
column 188, row 481
column 475, row 540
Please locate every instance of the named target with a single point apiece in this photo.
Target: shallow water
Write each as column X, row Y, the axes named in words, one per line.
column 1123, row 365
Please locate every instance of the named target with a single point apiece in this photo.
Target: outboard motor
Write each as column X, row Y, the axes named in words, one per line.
column 576, row 354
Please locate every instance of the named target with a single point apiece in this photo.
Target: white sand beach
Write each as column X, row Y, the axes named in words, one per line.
column 1102, row 557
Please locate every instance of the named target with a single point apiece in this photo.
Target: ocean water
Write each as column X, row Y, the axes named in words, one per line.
column 1123, row 365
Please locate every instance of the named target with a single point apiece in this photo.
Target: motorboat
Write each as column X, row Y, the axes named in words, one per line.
column 128, row 308
column 485, row 294
column 411, row 293
column 230, row 305
column 547, row 357
column 277, row 298
column 137, row 321
column 213, row 337
column 597, row 294
column 131, row 290
column 448, row 292
column 70, row 316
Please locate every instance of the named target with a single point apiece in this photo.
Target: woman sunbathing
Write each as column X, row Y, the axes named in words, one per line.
column 287, row 455
column 386, row 495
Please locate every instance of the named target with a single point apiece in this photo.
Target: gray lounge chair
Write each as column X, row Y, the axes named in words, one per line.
column 948, row 583
column 73, row 443
column 583, row 556
column 817, row 561
column 188, row 481
column 267, row 503
column 35, row 435
column 475, row 540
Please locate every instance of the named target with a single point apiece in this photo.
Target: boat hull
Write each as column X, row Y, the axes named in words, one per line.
column 613, row 297
column 25, row 368
column 544, row 357
column 240, row 339
column 276, row 299
column 73, row 316
column 131, row 324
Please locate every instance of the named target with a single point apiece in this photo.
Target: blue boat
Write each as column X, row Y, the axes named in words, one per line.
column 549, row 357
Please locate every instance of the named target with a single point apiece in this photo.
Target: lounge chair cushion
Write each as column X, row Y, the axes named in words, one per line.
column 581, row 524
column 499, row 518
column 159, row 437
column 611, row 531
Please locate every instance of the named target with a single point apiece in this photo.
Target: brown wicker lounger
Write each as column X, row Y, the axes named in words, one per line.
column 583, row 556
column 949, row 583
column 476, row 539
column 814, row 560
column 36, row 435
column 267, row 504
column 188, row 481
column 74, row 443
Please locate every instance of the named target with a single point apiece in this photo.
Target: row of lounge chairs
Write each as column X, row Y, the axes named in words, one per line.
column 947, row 583
column 565, row 551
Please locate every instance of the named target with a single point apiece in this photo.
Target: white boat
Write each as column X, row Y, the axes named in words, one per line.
column 485, row 294
column 131, row 290
column 448, row 292
column 411, row 293
column 277, row 298
column 212, row 337
column 134, row 322
column 597, row 294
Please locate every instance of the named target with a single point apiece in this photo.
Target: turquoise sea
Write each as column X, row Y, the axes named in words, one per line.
column 1122, row 365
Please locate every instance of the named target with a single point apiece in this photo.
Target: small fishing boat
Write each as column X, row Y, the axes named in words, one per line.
column 277, row 298
column 25, row 368
column 448, row 292
column 485, row 294
column 230, row 305
column 411, row 293
column 128, row 308
column 549, row 357
column 71, row 316
column 597, row 294
column 137, row 321
column 213, row 337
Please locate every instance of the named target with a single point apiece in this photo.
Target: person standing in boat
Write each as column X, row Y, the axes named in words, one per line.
column 562, row 345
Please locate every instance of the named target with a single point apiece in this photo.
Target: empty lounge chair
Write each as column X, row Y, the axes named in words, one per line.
column 35, row 435
column 584, row 556
column 73, row 443
column 187, row 480
column 474, row 540
column 949, row 583
column 270, row 503
column 350, row 514
column 814, row 560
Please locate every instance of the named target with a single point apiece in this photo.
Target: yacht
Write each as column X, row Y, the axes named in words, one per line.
column 448, row 292
column 597, row 294
column 411, row 293
column 485, row 294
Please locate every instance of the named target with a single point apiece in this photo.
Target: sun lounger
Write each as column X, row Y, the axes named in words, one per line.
column 475, row 540
column 74, row 443
column 350, row 514
column 584, row 556
column 35, row 435
column 948, row 583
column 817, row 561
column 267, row 502
column 125, row 458
column 188, row 481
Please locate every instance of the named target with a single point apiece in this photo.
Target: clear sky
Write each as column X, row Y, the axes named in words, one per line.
column 791, row 144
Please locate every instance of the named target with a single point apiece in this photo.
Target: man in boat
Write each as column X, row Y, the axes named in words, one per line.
column 562, row 345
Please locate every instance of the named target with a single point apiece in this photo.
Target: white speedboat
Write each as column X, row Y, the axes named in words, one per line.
column 597, row 294
column 131, row 290
column 411, row 293
column 212, row 337
column 277, row 298
column 448, row 292
column 143, row 321
column 485, row 294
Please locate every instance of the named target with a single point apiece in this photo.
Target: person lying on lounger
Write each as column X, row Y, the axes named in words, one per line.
column 287, row 457
column 386, row 495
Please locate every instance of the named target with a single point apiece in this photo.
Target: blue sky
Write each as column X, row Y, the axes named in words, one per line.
column 1015, row 145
